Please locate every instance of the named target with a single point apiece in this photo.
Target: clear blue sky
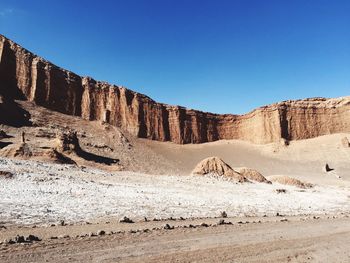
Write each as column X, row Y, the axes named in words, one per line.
column 218, row 56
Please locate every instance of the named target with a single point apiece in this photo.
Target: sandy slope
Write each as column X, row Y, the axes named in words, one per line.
column 303, row 159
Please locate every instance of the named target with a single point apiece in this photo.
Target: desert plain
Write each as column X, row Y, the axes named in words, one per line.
column 92, row 172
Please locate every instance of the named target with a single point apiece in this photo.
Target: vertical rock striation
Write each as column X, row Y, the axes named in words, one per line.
column 24, row 75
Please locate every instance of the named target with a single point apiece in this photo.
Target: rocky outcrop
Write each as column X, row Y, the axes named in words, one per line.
column 24, row 75
column 252, row 175
column 217, row 167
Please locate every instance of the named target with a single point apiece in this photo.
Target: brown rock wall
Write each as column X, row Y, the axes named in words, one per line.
column 24, row 75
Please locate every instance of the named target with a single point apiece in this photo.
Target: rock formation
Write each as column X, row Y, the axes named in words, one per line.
column 216, row 166
column 67, row 142
column 21, row 150
column 252, row 175
column 286, row 180
column 24, row 75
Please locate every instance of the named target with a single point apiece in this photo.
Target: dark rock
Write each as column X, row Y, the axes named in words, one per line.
column 278, row 214
column 20, row 239
column 126, row 220
column 6, row 174
column 31, row 238
column 168, row 227
column 327, row 168
column 101, row 232
column 221, row 222
column 223, row 214
column 281, row 191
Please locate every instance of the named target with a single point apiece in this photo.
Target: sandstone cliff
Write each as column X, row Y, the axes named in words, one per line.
column 24, row 75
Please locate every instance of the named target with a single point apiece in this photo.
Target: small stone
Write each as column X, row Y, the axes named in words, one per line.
column 168, row 227
column 31, row 238
column 101, row 232
column 223, row 214
column 221, row 222
column 6, row 174
column 327, row 169
column 281, row 191
column 9, row 241
column 204, row 225
column 126, row 220
column 20, row 239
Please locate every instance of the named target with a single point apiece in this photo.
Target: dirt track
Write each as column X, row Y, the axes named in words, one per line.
column 322, row 240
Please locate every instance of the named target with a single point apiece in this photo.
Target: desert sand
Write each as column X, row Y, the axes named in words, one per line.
column 154, row 181
column 93, row 172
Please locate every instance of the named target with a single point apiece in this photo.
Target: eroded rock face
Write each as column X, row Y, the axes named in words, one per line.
column 67, row 142
column 24, row 75
column 212, row 165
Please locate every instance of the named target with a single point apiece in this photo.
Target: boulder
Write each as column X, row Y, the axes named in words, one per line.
column 217, row 167
column 252, row 175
